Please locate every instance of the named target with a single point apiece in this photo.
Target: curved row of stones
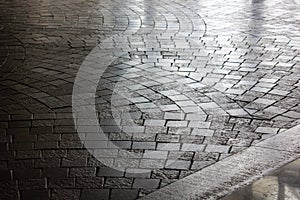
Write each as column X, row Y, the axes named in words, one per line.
column 200, row 106
column 12, row 53
column 164, row 122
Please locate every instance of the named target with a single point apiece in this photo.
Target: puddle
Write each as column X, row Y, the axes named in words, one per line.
column 281, row 184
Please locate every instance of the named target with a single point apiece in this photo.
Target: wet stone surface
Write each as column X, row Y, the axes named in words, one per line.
column 12, row 53
column 4, row 54
column 282, row 183
column 187, row 83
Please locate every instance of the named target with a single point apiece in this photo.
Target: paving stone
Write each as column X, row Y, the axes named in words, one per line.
column 264, row 101
column 118, row 183
column 128, row 154
column 46, row 145
column 89, row 194
column 128, row 163
column 192, row 109
column 185, row 103
column 137, row 173
column 146, row 105
column 35, row 194
column 126, row 194
column 194, row 139
column 121, row 144
column 55, row 172
column 279, row 92
column 174, row 116
column 155, row 154
column 217, row 148
column 192, row 147
column 180, row 131
column 177, row 123
column 177, row 164
column 74, row 162
column 133, row 129
column 27, row 174
column 106, row 153
column 195, row 117
column 165, row 173
column 19, row 164
column 292, row 114
column 168, row 146
column 204, row 156
column 30, row 184
column 179, row 155
column 110, row 172
column 54, row 153
column 167, row 138
column 267, row 130
column 240, row 142
column 167, row 108
column 9, row 190
column 25, row 138
column 235, row 91
column 154, row 122
column 143, row 145
column 28, row 154
column 152, row 163
column 82, row 172
column 178, row 97
column 5, row 175
column 199, row 124
column 237, row 112
column 89, row 182
column 203, row 132
column 260, row 89
column 60, row 194
column 61, row 183
column 274, row 109
column 146, row 183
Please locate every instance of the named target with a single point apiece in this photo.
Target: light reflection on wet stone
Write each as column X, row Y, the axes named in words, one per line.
column 281, row 184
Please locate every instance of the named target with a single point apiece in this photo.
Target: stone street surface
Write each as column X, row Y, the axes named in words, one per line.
column 175, row 87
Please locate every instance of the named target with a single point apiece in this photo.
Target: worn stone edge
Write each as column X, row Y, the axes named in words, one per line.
column 235, row 171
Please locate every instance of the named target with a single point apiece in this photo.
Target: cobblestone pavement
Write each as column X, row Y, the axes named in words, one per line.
column 185, row 84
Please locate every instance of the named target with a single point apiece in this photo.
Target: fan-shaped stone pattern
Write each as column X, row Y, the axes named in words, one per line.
column 237, row 73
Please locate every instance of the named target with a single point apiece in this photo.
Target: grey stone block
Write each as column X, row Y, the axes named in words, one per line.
column 35, row 194
column 152, row 163
column 55, row 172
column 155, row 154
column 168, row 146
column 146, row 183
column 89, row 182
column 110, row 172
column 178, row 164
column 92, row 194
column 58, row 194
column 143, row 145
column 203, row 132
column 115, row 183
column 124, row 194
